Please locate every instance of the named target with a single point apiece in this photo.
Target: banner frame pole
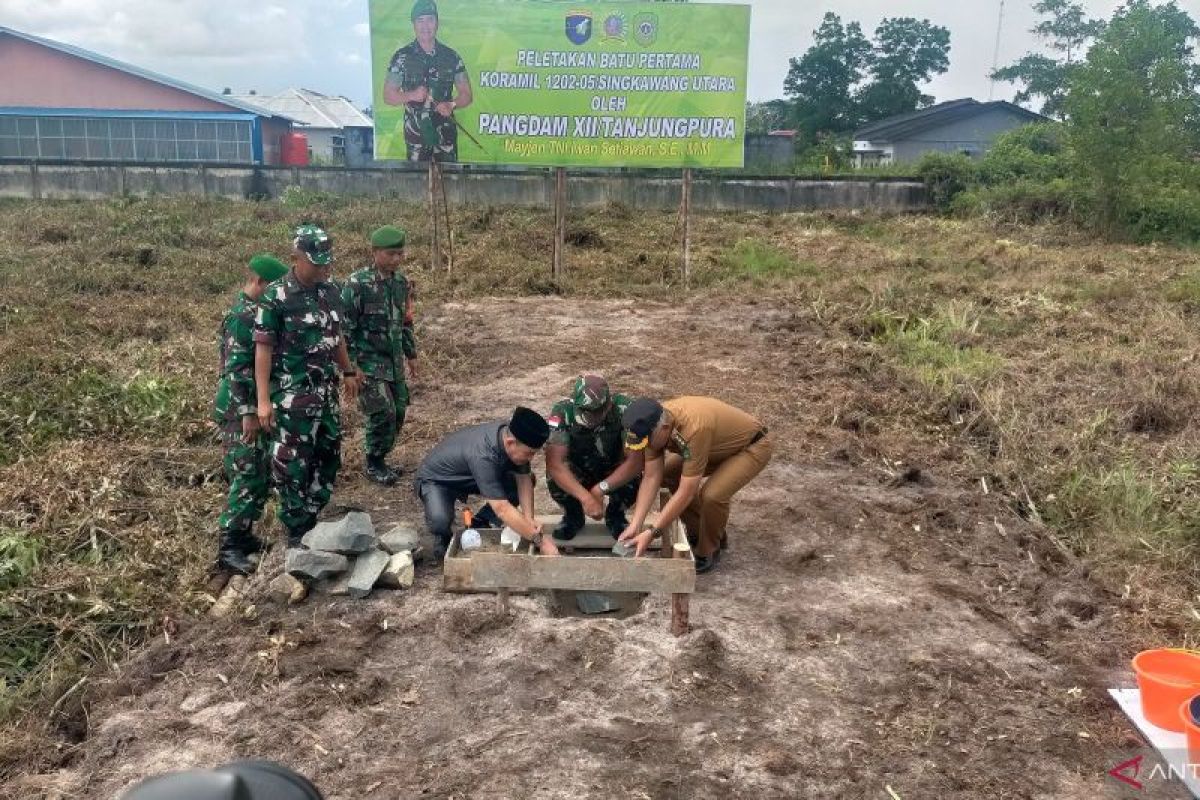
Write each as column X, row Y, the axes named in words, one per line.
column 686, row 212
column 560, row 222
column 436, row 237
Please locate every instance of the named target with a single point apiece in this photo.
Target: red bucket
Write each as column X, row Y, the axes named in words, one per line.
column 1167, row 679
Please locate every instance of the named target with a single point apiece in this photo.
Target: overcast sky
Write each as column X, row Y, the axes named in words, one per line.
column 323, row 45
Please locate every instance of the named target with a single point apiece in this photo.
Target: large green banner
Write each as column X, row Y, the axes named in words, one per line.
column 550, row 83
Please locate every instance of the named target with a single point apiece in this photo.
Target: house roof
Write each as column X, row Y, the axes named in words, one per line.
column 112, row 63
column 313, row 109
column 904, row 126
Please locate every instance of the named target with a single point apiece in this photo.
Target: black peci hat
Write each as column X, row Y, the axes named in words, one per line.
column 529, row 428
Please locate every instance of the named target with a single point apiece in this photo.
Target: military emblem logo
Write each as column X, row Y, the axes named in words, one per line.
column 645, row 29
column 579, row 27
column 614, row 28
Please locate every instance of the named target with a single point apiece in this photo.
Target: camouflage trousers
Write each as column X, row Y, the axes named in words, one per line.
column 248, row 470
column 589, row 474
column 383, row 404
column 305, row 457
column 442, row 153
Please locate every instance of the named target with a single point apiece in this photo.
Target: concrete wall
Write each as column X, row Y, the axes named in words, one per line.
column 973, row 135
column 39, row 77
column 770, row 153
column 463, row 186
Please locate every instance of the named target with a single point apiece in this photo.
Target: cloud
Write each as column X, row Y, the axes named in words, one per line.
column 362, row 30
column 218, row 30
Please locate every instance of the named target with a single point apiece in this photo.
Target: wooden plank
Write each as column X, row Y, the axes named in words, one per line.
column 584, row 573
column 457, row 571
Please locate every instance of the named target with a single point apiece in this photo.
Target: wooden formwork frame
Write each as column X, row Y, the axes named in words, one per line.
column 672, row 571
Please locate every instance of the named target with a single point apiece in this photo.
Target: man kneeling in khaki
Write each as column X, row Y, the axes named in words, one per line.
column 717, row 450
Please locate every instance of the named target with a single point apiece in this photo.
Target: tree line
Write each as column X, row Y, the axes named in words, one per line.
column 1121, row 153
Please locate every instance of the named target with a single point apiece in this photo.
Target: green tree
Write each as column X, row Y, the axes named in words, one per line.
column 844, row 79
column 770, row 116
column 1133, row 109
column 906, row 54
column 1067, row 30
column 821, row 82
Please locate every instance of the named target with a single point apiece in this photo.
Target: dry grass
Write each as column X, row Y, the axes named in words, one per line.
column 1058, row 369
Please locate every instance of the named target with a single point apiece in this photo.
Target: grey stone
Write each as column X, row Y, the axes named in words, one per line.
column 399, row 539
column 315, row 564
column 399, row 573
column 337, row 586
column 367, row 569
column 350, row 535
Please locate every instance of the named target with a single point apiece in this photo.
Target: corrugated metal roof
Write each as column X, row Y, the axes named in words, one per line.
column 146, row 74
column 904, row 125
column 311, row 108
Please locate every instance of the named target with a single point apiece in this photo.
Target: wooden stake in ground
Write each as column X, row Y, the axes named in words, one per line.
column 685, row 211
column 675, row 545
column 560, row 222
column 436, row 243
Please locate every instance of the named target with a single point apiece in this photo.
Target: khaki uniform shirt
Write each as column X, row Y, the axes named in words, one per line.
column 707, row 432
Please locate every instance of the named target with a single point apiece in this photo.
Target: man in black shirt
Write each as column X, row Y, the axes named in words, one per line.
column 490, row 460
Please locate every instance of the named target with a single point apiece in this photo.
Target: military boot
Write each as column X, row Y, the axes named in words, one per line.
column 233, row 553
column 614, row 519
column 295, row 536
column 379, row 472
column 572, row 522
column 485, row 517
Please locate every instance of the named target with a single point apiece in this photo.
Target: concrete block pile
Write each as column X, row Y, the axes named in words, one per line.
column 346, row 557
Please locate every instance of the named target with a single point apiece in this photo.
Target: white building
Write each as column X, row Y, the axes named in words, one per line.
column 320, row 117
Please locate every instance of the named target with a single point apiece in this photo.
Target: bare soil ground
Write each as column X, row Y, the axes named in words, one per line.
column 881, row 626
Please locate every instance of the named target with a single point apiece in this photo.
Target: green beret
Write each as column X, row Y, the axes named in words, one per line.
column 268, row 267
column 388, row 237
column 423, row 8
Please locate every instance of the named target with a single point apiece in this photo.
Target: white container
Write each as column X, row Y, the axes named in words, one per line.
column 510, row 537
column 470, row 540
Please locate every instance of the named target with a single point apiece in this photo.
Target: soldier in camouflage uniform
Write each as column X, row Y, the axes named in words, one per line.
column 247, row 465
column 586, row 458
column 379, row 330
column 430, row 81
column 299, row 350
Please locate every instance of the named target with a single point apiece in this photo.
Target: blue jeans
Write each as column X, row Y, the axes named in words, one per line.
column 439, row 503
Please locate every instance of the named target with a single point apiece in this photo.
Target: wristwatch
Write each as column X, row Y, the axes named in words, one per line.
column 537, row 539
column 603, row 487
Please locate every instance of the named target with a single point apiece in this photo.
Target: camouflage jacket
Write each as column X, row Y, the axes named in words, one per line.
column 304, row 326
column 235, row 384
column 379, row 323
column 410, row 68
column 602, row 447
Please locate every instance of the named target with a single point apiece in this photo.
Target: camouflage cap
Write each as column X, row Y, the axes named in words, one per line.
column 388, row 237
column 424, row 8
column 314, row 243
column 268, row 267
column 592, row 398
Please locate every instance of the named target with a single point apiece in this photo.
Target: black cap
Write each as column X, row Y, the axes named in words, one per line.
column 640, row 419
column 242, row 780
column 529, row 428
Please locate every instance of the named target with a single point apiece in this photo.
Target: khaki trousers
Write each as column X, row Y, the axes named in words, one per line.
column 706, row 516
